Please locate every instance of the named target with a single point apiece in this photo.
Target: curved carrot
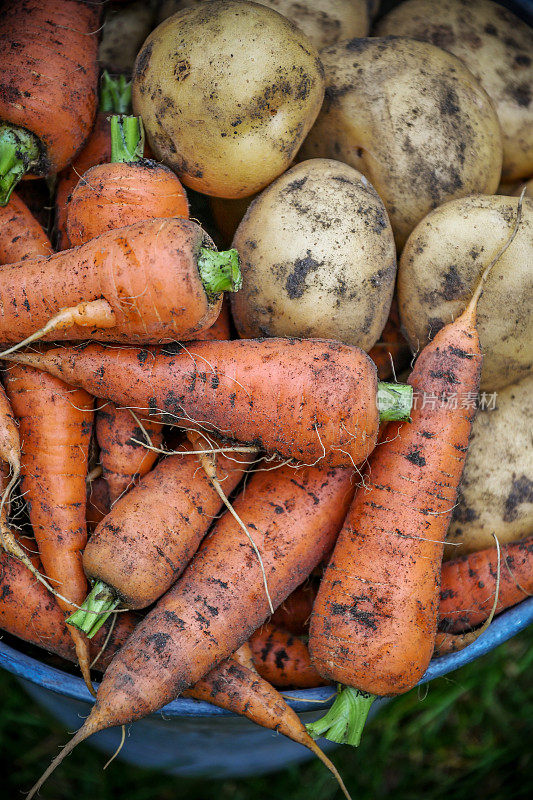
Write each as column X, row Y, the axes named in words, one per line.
column 149, row 536
column 294, row 614
column 55, row 423
column 115, row 97
column 238, row 689
column 220, row 598
column 161, row 278
column 21, row 235
column 311, row 400
column 29, row 612
column 375, row 616
column 123, row 456
column 468, row 584
column 125, row 191
column 283, row 659
column 48, row 54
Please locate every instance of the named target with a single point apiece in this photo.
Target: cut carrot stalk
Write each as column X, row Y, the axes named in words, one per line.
column 19, row 153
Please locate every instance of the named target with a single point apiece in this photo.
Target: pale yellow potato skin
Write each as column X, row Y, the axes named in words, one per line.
column 496, row 492
column 323, row 21
column 227, row 92
column 439, row 270
column 496, row 46
column 318, row 258
column 413, row 119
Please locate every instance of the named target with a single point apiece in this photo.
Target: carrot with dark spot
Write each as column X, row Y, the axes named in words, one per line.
column 55, row 423
column 220, row 599
column 283, row 659
column 375, row 617
column 468, row 584
column 308, row 399
column 45, row 112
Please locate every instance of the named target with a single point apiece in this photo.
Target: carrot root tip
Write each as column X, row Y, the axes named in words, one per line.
column 395, row 401
column 344, row 721
column 219, row 270
column 19, row 152
column 98, row 605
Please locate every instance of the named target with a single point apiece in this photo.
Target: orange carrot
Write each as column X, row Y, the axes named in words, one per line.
column 220, row 599
column 311, row 400
column 55, row 424
column 9, row 443
column 149, row 536
column 468, row 584
column 294, row 614
column 48, row 54
column 29, row 612
column 161, row 280
column 98, row 502
column 374, row 620
column 238, row 689
column 127, row 190
column 123, row 458
column 283, row 659
column 21, row 235
column 115, row 98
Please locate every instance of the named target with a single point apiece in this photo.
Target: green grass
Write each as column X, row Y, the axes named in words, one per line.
column 469, row 737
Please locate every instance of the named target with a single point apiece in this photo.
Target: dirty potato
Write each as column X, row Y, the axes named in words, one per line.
column 496, row 493
column 317, row 258
column 497, row 47
column 324, row 22
column 227, row 92
column 440, row 267
column 413, row 119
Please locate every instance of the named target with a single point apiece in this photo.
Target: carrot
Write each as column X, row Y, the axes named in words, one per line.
column 98, row 502
column 115, row 98
column 161, row 280
column 30, row 613
column 220, row 599
column 283, row 659
column 294, row 614
column 48, row 54
column 123, row 458
column 149, row 536
column 221, row 328
column 21, row 235
column 374, row 620
column 311, row 400
column 55, row 423
column 468, row 584
column 128, row 190
column 238, row 689
column 9, row 444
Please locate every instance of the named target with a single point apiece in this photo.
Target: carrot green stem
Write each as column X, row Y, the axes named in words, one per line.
column 127, row 139
column 219, row 270
column 394, row 401
column 19, row 152
column 98, row 605
column 345, row 720
column 115, row 94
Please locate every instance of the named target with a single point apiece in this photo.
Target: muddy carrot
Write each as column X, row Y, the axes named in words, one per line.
column 374, row 620
column 45, row 112
column 283, row 659
column 21, row 236
column 309, row 399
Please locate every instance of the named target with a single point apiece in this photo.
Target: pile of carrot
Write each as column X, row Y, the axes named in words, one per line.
column 203, row 515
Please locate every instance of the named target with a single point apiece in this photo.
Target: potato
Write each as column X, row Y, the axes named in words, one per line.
column 412, row 119
column 125, row 29
column 323, row 21
column 317, row 258
column 439, row 269
column 496, row 493
column 227, row 92
column 496, row 46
